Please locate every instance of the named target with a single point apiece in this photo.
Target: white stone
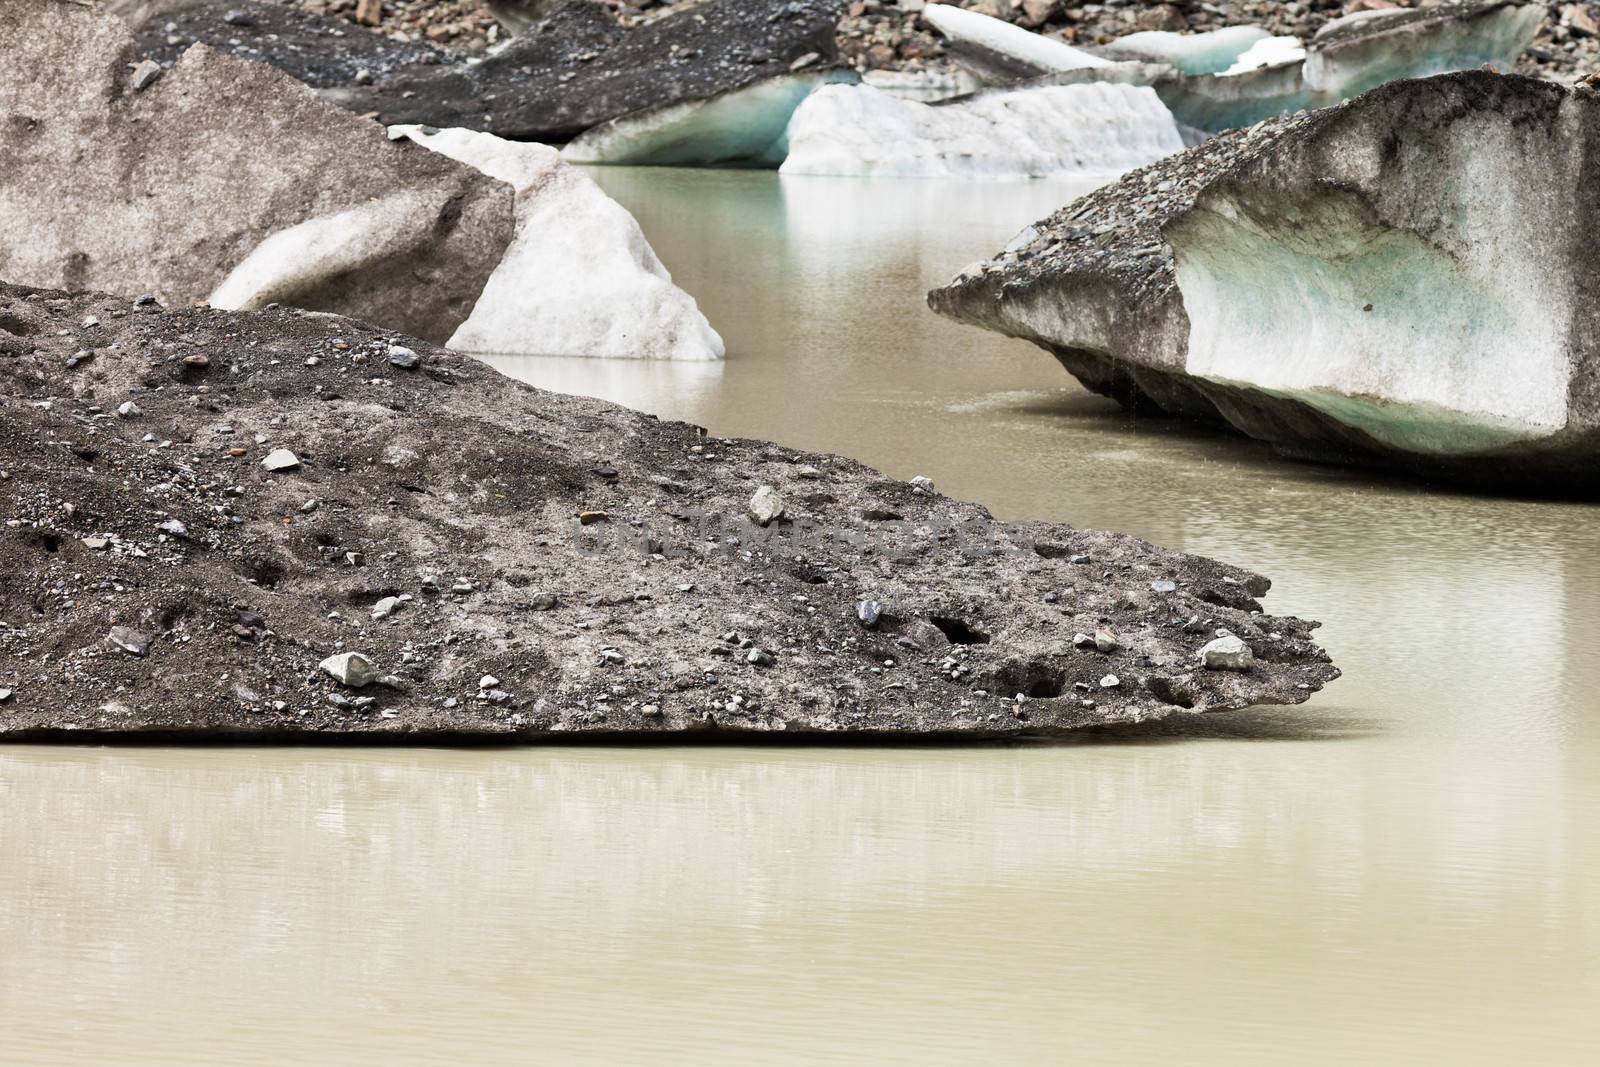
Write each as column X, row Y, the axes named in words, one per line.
column 386, row 607
column 280, row 459
column 1226, row 654
column 1098, row 130
column 766, row 505
column 351, row 669
column 129, row 410
column 579, row 279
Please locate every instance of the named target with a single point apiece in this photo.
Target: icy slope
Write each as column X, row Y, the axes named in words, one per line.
column 579, row 278
column 1091, row 130
column 1407, row 279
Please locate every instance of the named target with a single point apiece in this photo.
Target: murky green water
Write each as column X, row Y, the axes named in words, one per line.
column 1406, row 871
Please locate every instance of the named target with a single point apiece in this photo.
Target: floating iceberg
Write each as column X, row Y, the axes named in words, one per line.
column 1271, row 75
column 746, row 126
column 998, row 50
column 1089, row 130
column 579, row 278
column 1397, row 280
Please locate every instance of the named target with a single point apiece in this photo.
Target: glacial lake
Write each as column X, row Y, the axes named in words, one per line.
column 1404, row 871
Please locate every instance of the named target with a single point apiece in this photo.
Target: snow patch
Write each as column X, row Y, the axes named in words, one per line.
column 1093, row 129
column 579, row 277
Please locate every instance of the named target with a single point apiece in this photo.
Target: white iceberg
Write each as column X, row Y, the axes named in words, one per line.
column 579, row 277
column 743, row 126
column 1267, row 52
column 1189, row 53
column 1094, row 129
column 998, row 49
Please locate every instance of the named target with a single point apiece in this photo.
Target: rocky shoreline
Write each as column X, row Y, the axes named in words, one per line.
column 287, row 525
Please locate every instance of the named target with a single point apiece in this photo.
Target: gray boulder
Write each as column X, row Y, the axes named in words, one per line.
column 225, row 177
column 1405, row 279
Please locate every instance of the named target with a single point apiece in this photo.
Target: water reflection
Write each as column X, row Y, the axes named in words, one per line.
column 589, row 902
column 1403, row 871
column 634, row 382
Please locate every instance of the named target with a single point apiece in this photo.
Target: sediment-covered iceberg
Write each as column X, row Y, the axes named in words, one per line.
column 578, row 69
column 1275, row 76
column 583, row 530
column 1349, row 56
column 745, row 126
column 227, row 182
column 1093, row 130
column 167, row 188
column 579, row 278
column 997, row 50
column 1405, row 279
column 575, row 68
